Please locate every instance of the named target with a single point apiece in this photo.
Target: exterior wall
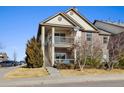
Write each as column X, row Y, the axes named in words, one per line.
column 97, row 42
column 104, row 48
column 56, row 21
column 83, row 23
column 95, row 38
column 116, row 45
column 3, row 57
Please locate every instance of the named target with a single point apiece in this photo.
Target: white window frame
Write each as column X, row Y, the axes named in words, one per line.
column 91, row 36
column 61, row 53
column 104, row 39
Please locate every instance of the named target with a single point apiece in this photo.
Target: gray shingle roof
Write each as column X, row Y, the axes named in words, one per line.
column 109, row 26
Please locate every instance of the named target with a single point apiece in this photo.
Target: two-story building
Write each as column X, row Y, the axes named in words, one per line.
column 3, row 57
column 116, row 38
column 58, row 34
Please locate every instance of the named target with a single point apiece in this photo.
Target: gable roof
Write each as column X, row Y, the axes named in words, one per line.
column 73, row 21
column 114, row 31
column 104, row 32
column 82, row 17
column 70, row 20
column 63, row 15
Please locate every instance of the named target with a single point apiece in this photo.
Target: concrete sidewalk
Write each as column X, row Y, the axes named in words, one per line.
column 4, row 70
column 58, row 80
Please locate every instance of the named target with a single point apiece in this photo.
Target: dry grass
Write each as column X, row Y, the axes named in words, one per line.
column 67, row 72
column 26, row 73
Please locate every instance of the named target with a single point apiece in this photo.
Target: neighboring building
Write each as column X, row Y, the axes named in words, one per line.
column 3, row 57
column 116, row 32
column 59, row 32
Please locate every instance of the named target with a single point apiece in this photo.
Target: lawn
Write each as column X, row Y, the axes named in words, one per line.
column 72, row 72
column 26, row 73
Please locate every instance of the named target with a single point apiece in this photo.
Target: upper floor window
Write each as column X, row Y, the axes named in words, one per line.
column 105, row 39
column 59, row 37
column 89, row 36
column 60, row 34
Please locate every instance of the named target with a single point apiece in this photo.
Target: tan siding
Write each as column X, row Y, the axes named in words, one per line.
column 85, row 25
column 56, row 21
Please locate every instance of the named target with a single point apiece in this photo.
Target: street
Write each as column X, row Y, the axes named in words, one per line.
column 117, row 83
column 111, row 80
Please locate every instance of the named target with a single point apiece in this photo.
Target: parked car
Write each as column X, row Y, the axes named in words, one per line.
column 22, row 62
column 6, row 63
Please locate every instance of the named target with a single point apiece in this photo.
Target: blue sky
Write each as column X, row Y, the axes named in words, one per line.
column 18, row 24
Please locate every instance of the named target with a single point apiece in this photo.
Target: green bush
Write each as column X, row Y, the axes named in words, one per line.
column 121, row 62
column 64, row 66
column 92, row 63
column 34, row 56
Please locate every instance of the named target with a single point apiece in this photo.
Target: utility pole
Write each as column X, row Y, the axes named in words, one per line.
column 14, row 55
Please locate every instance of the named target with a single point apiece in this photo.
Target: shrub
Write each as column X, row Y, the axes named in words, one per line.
column 121, row 62
column 92, row 63
column 64, row 66
column 34, row 57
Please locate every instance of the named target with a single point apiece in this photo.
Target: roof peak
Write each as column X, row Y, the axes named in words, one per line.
column 74, row 8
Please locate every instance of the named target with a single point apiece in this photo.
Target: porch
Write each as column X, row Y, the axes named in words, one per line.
column 64, row 40
column 64, row 55
column 56, row 44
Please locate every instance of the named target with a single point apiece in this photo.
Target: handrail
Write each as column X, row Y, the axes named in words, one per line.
column 64, row 60
column 65, row 40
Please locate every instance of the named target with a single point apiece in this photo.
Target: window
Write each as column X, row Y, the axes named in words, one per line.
column 60, row 34
column 59, row 37
column 89, row 36
column 105, row 39
column 60, row 55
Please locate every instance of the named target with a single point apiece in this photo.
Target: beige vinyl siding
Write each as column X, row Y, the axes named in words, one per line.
column 56, row 21
column 83, row 23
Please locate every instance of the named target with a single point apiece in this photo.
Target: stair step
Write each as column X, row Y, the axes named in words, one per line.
column 53, row 71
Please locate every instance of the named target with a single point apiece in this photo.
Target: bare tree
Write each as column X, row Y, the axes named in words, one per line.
column 81, row 54
column 87, row 50
column 116, row 49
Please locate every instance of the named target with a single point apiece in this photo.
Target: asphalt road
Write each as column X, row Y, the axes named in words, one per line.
column 119, row 83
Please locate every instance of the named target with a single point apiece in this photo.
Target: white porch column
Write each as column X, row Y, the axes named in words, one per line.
column 43, row 43
column 75, row 55
column 53, row 48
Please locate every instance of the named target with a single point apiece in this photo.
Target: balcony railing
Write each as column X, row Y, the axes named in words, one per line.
column 65, row 61
column 64, row 40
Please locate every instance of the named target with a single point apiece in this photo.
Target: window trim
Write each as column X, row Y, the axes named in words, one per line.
column 60, row 34
column 87, row 36
column 60, row 54
column 105, row 38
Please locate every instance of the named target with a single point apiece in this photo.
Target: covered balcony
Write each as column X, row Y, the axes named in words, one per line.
column 64, row 40
column 63, row 55
column 65, row 61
